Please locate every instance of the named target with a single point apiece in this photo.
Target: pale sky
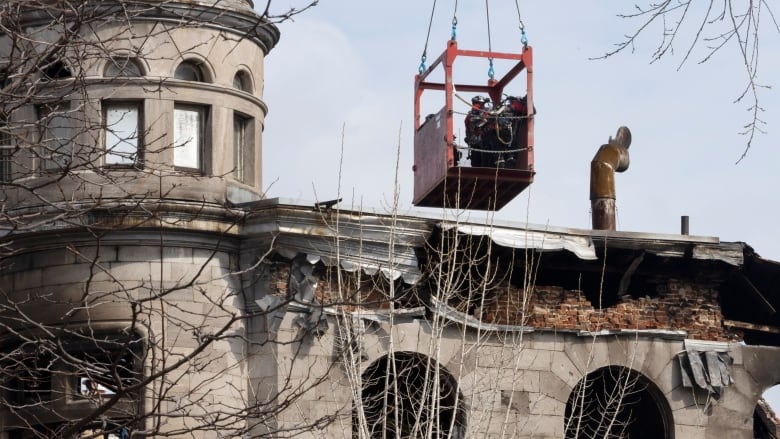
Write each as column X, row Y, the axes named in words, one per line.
column 350, row 64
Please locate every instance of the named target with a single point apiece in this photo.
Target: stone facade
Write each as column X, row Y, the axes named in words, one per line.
column 517, row 373
column 199, row 309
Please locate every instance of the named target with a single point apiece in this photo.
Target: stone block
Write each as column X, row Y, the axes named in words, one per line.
column 689, row 432
column 445, row 353
column 183, row 274
column 587, row 353
column 627, row 351
column 464, row 359
column 139, row 253
column 658, row 357
column 66, row 274
column 486, row 380
column 691, row 415
column 494, row 356
column 517, row 401
column 755, row 359
column 212, row 258
column 107, row 287
column 55, row 257
column 727, row 433
column 553, row 386
column 532, row 359
column 668, row 378
column 727, row 418
column 549, row 341
column 170, row 293
column 682, row 397
column 180, row 337
column 565, row 369
column 18, row 263
column 735, row 351
column 177, row 255
column 526, row 380
column 25, row 280
column 132, row 271
column 543, row 426
column 544, row 405
column 224, row 274
column 318, row 346
column 737, row 401
column 745, row 384
column 483, row 399
column 405, row 336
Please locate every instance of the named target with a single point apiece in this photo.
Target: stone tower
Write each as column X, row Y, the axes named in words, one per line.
column 129, row 129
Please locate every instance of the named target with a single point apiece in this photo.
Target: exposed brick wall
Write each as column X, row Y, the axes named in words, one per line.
column 673, row 306
column 328, row 292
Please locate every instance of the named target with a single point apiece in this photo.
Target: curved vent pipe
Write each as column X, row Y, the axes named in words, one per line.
column 610, row 158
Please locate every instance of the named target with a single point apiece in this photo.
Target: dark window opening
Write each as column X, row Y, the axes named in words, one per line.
column 243, row 148
column 407, row 390
column 55, row 69
column 105, row 365
column 6, row 153
column 55, row 122
column 80, row 372
column 189, row 71
column 242, row 82
column 28, row 373
column 617, row 402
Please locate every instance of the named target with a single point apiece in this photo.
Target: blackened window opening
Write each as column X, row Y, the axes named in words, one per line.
column 28, row 373
column 55, row 69
column 410, row 397
column 617, row 402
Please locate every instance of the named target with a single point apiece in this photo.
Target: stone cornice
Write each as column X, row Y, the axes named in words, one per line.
column 241, row 21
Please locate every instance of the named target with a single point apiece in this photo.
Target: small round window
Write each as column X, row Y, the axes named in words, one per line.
column 189, row 71
column 242, row 82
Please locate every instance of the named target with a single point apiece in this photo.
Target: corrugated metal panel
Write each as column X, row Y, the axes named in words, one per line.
column 372, row 243
column 384, row 243
column 582, row 246
column 730, row 253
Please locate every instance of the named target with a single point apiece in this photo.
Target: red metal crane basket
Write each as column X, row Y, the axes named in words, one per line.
column 439, row 180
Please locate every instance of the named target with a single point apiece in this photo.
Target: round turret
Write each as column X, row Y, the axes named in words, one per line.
column 117, row 102
column 128, row 130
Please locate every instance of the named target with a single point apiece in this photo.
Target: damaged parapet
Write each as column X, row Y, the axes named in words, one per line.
column 610, row 158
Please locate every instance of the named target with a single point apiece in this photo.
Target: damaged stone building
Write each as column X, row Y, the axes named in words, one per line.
column 148, row 289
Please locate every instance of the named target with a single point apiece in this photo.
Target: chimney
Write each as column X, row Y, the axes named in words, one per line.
column 610, row 158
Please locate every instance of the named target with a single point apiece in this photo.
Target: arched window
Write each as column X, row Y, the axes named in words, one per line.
column 242, row 81
column 123, row 66
column 414, row 390
column 189, row 71
column 616, row 402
